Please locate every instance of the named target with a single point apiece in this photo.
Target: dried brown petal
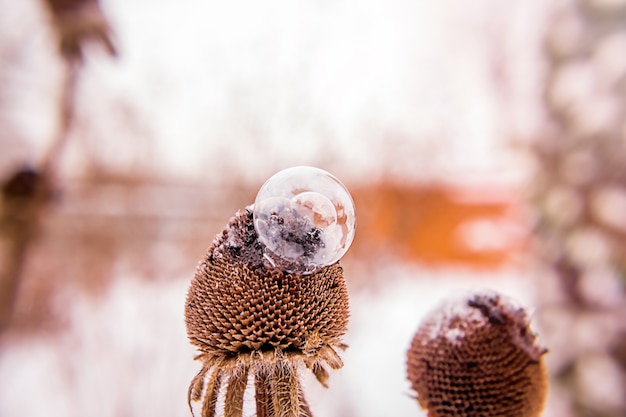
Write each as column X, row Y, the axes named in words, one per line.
column 478, row 358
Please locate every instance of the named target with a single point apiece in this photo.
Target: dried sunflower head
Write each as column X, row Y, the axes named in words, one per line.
column 252, row 319
column 478, row 357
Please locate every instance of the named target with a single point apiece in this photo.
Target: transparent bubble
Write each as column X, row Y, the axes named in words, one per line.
column 305, row 218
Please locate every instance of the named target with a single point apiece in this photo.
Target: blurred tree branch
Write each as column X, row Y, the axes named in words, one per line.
column 77, row 22
column 28, row 190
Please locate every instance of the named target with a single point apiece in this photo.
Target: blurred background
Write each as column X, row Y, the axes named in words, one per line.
column 484, row 144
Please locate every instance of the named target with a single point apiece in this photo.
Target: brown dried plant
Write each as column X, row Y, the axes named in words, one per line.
column 256, row 326
column 77, row 22
column 478, row 358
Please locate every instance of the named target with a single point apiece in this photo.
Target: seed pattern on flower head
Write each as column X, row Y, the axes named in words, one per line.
column 478, row 358
column 238, row 307
column 247, row 319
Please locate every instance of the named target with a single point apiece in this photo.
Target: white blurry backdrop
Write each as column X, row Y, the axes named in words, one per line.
column 207, row 89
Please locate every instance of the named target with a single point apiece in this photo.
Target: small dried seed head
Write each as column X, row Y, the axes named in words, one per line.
column 478, row 358
column 237, row 305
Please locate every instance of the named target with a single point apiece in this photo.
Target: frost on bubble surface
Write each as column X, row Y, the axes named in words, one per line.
column 305, row 218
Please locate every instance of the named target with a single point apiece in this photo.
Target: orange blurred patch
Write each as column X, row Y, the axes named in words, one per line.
column 439, row 224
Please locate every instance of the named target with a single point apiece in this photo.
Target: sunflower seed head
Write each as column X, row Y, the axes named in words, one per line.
column 236, row 304
column 478, row 357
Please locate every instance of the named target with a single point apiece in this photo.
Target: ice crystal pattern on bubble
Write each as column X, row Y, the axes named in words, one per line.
column 305, row 218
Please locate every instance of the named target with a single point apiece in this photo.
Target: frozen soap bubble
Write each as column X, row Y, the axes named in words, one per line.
column 305, row 218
